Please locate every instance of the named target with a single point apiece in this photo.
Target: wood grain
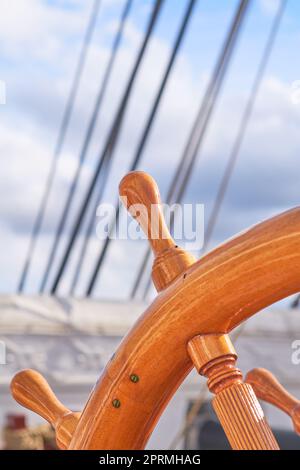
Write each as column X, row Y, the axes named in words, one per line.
column 242, row 419
column 203, row 349
column 140, row 195
column 267, row 388
column 31, row 390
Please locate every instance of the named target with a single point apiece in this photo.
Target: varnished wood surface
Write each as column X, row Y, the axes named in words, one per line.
column 214, row 295
column 31, row 390
column 242, row 419
column 267, row 388
column 140, row 195
column 203, row 349
column 214, row 357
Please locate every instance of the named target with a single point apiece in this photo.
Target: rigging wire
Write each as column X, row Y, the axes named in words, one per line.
column 87, row 236
column 141, row 145
column 243, row 126
column 59, row 144
column 110, row 143
column 188, row 159
column 86, row 144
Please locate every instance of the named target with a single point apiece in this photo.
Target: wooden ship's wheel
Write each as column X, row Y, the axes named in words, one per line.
column 187, row 325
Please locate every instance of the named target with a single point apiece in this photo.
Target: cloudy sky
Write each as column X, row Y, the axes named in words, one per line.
column 39, row 46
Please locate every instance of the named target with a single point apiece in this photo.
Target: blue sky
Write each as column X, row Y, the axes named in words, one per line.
column 39, row 46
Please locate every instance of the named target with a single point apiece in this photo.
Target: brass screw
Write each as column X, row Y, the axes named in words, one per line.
column 116, row 403
column 134, row 378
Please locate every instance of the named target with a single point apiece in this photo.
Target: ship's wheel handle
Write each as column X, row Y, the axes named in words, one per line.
column 268, row 389
column 31, row 390
column 140, row 195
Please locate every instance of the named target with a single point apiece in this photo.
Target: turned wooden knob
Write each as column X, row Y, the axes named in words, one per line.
column 140, row 195
column 268, row 389
column 31, row 390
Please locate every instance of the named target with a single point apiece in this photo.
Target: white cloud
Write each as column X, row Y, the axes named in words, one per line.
column 269, row 6
column 34, row 29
